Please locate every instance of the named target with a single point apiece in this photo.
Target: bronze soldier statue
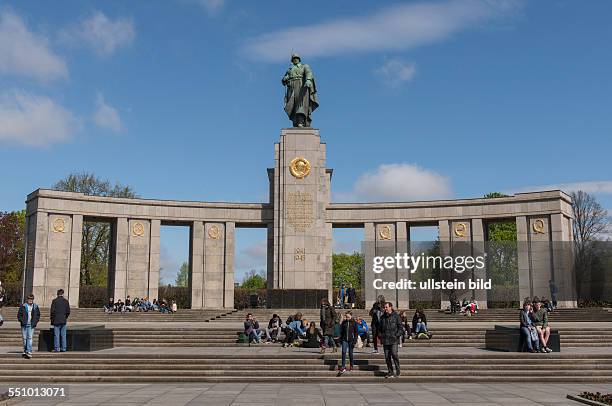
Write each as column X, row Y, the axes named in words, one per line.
column 301, row 92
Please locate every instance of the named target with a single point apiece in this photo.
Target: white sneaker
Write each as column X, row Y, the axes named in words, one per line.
column 374, row 351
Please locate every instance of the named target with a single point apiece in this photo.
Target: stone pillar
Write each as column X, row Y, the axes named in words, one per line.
column 403, row 295
column 228, row 269
column 120, row 257
column 369, row 251
column 59, row 262
column 301, row 197
column 214, row 262
column 444, row 235
column 524, row 269
column 540, row 254
column 196, row 260
column 461, row 245
column 153, row 291
column 478, row 249
column 564, row 276
column 385, row 247
column 138, row 257
column 327, row 259
column 36, row 259
column 72, row 293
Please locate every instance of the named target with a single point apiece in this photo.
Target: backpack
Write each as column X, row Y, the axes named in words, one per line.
column 243, row 338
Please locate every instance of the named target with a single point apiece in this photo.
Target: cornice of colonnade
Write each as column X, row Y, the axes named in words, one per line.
column 520, row 204
column 53, row 201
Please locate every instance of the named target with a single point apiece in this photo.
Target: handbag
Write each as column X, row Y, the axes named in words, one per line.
column 359, row 342
column 534, row 334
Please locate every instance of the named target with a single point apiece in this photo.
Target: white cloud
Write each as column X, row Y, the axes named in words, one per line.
column 211, row 6
column 395, row 72
column 34, row 120
column 254, row 256
column 107, row 116
column 603, row 187
column 399, row 182
column 400, row 27
column 101, row 33
column 25, row 53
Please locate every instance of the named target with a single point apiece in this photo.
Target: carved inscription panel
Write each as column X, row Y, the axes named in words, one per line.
column 300, row 210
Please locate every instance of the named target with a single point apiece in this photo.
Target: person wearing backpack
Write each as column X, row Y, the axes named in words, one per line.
column 28, row 316
column 376, row 313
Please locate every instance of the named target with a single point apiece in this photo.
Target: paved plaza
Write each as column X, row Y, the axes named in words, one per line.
column 332, row 394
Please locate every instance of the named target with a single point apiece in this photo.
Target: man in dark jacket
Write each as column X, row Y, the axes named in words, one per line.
column 391, row 331
column 327, row 316
column 60, row 310
column 28, row 316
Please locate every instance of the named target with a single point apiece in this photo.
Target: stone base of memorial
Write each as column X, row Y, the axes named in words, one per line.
column 509, row 338
column 79, row 338
column 295, row 298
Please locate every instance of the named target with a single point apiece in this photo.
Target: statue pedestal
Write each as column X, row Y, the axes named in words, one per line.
column 300, row 256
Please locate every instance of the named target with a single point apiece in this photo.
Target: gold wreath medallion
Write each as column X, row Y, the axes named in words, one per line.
column 138, row 229
column 385, row 232
column 213, row 232
column 59, row 225
column 538, row 226
column 460, row 229
column 299, row 167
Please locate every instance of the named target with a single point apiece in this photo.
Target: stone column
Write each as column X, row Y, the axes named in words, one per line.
column 196, row 250
column 59, row 249
column 461, row 245
column 138, row 257
column 524, row 269
column 153, row 284
column 444, row 234
column 36, row 259
column 369, row 251
column 478, row 249
column 563, row 261
column 540, row 254
column 228, row 269
column 327, row 261
column 403, row 295
column 72, row 293
column 301, row 197
column 214, row 263
column 385, row 247
column 120, row 257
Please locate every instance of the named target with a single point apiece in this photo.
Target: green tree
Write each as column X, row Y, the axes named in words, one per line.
column 182, row 277
column 347, row 269
column 254, row 280
column 502, row 259
column 12, row 250
column 96, row 235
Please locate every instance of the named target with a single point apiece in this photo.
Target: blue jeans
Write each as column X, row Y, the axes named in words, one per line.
column 527, row 336
column 255, row 336
column 421, row 328
column 328, row 341
column 59, row 330
column 27, row 333
column 347, row 346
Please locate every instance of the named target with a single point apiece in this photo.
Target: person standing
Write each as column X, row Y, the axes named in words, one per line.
column 376, row 312
column 2, row 302
column 351, row 295
column 342, row 296
column 28, row 316
column 327, row 317
column 348, row 339
column 60, row 310
column 391, row 331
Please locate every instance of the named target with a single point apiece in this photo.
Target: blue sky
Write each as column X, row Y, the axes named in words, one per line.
column 443, row 99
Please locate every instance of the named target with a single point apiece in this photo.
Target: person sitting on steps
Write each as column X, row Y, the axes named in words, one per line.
column 528, row 330
column 539, row 317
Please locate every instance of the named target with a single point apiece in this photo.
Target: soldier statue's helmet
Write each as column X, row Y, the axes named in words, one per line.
column 294, row 55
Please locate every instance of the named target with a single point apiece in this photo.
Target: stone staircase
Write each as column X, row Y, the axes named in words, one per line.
column 218, row 335
column 296, row 367
column 99, row 316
